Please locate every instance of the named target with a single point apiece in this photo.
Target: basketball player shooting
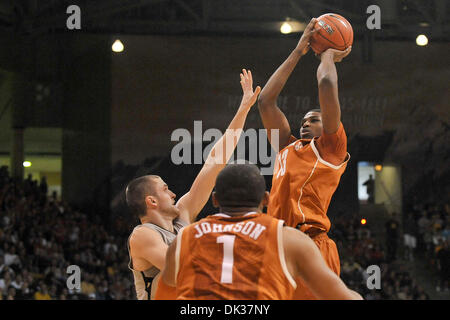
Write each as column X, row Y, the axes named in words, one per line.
column 308, row 170
column 241, row 253
column 150, row 199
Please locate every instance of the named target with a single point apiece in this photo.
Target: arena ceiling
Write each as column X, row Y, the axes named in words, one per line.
column 400, row 18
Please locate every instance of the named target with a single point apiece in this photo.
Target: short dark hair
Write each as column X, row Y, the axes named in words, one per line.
column 240, row 185
column 314, row 110
column 136, row 192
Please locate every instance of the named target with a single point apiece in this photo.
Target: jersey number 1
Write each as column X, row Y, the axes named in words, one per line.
column 228, row 259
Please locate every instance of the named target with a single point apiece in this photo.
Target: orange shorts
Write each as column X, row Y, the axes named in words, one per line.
column 330, row 253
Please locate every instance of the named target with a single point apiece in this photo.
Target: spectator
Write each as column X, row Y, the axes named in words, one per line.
column 11, row 293
column 87, row 287
column 410, row 237
column 388, row 293
column 25, row 291
column 420, row 294
column 11, row 258
column 5, row 281
column 103, row 291
column 423, row 225
column 54, row 196
column 110, row 245
column 53, row 292
column 370, row 188
column 392, row 234
column 42, row 293
column 43, row 187
column 63, row 294
column 446, row 227
column 443, row 264
column 2, row 263
column 376, row 255
column 17, row 283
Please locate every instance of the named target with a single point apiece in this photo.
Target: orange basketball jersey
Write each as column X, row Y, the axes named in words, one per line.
column 233, row 258
column 303, row 182
column 164, row 291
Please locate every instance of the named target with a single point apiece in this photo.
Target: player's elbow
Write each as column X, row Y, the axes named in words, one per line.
column 261, row 101
column 342, row 294
column 326, row 81
column 346, row 293
column 356, row 295
column 264, row 102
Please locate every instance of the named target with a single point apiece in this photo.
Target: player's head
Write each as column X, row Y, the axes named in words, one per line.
column 311, row 125
column 240, row 187
column 149, row 194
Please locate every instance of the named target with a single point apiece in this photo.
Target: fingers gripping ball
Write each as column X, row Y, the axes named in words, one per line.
column 332, row 31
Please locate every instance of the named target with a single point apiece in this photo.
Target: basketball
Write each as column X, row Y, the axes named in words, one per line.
column 333, row 31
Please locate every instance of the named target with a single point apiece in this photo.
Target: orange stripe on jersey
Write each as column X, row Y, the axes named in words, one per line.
column 303, row 182
column 233, row 258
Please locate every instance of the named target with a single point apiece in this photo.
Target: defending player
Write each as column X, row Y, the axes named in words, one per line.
column 308, row 170
column 242, row 253
column 150, row 199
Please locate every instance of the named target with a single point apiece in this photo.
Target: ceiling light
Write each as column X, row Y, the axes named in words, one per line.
column 421, row 40
column 286, row 28
column 117, row 46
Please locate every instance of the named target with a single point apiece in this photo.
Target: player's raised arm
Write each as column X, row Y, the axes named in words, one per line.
column 328, row 89
column 271, row 115
column 305, row 260
column 192, row 202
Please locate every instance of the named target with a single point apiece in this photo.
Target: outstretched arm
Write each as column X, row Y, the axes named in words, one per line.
column 305, row 260
column 271, row 115
column 328, row 89
column 192, row 202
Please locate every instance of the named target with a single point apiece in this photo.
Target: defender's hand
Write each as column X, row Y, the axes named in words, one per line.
column 249, row 96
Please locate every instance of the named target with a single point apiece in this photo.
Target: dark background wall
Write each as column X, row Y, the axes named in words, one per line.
column 86, row 121
column 164, row 83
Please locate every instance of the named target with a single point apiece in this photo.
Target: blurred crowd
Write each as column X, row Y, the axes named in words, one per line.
column 358, row 249
column 427, row 235
column 41, row 236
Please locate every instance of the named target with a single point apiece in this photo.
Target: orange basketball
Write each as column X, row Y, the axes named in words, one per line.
column 333, row 31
